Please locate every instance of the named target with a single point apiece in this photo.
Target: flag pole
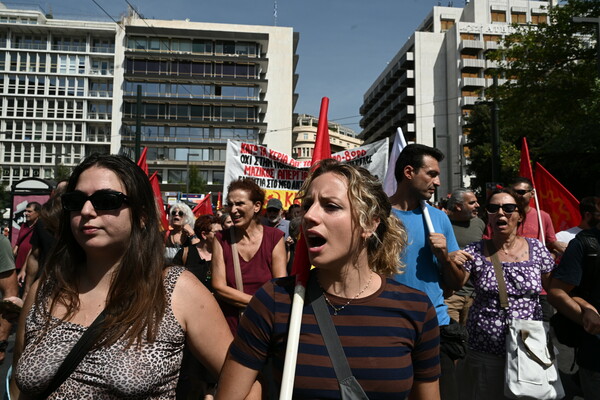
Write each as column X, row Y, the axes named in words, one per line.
column 389, row 181
column 301, row 268
column 539, row 215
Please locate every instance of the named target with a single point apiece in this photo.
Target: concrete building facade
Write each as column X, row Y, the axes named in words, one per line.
column 56, row 92
column 304, row 135
column 202, row 84
column 434, row 80
column 69, row 88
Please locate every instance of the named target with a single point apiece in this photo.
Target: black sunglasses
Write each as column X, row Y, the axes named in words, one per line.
column 522, row 192
column 101, row 200
column 180, row 213
column 507, row 208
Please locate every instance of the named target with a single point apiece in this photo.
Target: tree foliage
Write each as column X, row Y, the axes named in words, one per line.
column 480, row 151
column 552, row 95
column 196, row 183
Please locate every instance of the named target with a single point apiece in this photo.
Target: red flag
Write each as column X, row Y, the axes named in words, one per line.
column 322, row 148
column 203, row 207
column 142, row 161
column 556, row 200
column 159, row 201
column 219, row 201
column 301, row 265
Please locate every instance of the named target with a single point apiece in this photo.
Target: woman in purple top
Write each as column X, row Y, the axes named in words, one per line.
column 526, row 264
column 260, row 251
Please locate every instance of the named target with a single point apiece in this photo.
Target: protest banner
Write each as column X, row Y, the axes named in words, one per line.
column 281, row 176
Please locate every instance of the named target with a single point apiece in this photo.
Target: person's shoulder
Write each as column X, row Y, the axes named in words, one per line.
column 400, row 291
column 478, row 222
column 267, row 230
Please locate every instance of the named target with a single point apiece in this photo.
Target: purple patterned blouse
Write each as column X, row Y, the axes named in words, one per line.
column 487, row 323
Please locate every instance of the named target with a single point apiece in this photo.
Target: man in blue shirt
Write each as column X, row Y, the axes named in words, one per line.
column 428, row 264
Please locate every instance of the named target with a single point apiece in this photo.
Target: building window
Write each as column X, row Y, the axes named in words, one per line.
column 469, row 36
column 446, row 24
column 492, row 38
column 537, row 19
column 518, row 18
column 498, row 16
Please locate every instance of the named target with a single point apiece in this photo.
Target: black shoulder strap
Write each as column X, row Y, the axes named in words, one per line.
column 81, row 348
column 348, row 383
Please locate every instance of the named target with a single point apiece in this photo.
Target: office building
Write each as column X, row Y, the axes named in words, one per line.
column 70, row 88
column 433, row 82
column 56, row 92
column 304, row 135
column 202, row 84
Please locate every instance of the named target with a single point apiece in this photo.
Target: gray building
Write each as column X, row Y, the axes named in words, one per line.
column 433, row 82
column 69, row 88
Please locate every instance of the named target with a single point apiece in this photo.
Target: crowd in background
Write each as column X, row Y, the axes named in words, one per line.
column 226, row 280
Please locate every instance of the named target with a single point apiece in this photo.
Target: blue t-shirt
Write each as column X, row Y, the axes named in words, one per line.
column 421, row 269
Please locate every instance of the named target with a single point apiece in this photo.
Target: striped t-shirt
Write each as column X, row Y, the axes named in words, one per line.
column 390, row 338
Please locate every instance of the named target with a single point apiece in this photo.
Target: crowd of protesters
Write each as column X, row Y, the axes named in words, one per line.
column 202, row 310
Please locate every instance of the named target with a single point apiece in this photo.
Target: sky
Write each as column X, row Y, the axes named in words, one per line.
column 344, row 44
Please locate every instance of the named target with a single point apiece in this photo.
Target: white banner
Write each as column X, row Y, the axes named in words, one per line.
column 281, row 176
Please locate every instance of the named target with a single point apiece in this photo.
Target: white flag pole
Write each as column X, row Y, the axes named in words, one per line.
column 291, row 351
column 539, row 215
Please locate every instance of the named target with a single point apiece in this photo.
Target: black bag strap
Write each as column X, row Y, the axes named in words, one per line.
column 81, row 348
column 499, row 274
column 334, row 347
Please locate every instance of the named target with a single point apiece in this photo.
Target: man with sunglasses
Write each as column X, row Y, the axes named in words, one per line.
column 531, row 226
column 429, row 266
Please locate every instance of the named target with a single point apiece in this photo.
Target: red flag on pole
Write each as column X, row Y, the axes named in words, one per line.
column 301, row 268
column 301, row 265
column 142, row 161
column 219, row 201
column 203, row 207
column 556, row 200
column 159, row 201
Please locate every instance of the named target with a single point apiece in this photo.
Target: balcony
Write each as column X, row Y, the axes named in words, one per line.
column 472, row 82
column 491, row 64
column 492, row 45
column 468, row 101
column 471, row 45
column 472, row 63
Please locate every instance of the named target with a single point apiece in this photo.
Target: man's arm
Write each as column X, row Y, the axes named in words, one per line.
column 452, row 274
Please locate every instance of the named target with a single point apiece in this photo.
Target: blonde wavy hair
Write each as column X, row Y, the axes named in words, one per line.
column 369, row 203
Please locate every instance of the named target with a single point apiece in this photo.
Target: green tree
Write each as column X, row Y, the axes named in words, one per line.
column 552, row 95
column 196, row 183
column 480, row 151
column 61, row 172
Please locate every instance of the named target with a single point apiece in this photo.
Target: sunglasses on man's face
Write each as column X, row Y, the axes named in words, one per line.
column 101, row 200
column 522, row 192
column 180, row 213
column 507, row 208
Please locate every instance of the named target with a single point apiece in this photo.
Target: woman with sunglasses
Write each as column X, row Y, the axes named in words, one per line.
column 109, row 260
column 181, row 234
column 258, row 250
column 526, row 266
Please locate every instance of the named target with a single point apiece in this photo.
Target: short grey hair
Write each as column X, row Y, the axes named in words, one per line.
column 188, row 215
column 457, row 197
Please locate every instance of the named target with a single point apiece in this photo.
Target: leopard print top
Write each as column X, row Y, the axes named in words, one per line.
column 148, row 372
